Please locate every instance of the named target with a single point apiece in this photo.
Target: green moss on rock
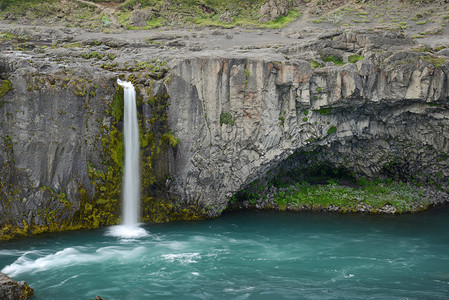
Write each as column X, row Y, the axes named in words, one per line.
column 5, row 86
column 226, row 118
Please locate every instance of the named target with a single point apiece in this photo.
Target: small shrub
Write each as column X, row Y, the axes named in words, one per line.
column 331, row 130
column 324, row 111
column 282, row 119
column 226, row 118
column 5, row 86
column 171, row 139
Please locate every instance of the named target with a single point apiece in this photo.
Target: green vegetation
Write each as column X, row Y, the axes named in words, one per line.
column 314, row 64
column 5, row 86
column 282, row 119
column 21, row 6
column 421, row 22
column 98, row 56
column 324, row 187
column 374, row 195
column 422, row 48
column 282, row 20
column 6, row 36
column 226, row 118
column 247, row 74
column 324, row 111
column 336, row 60
column 435, row 60
column 204, row 13
column 331, row 130
column 355, row 58
column 170, row 138
column 178, row 12
column 101, row 206
column 72, row 45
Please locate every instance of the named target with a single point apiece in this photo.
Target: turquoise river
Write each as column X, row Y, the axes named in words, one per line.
column 244, row 255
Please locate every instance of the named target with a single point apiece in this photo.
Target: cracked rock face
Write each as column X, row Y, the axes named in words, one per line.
column 237, row 115
column 364, row 116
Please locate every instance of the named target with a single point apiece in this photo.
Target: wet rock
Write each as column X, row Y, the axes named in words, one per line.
column 14, row 290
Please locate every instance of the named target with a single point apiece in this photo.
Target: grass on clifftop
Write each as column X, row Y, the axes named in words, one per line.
column 246, row 21
column 87, row 15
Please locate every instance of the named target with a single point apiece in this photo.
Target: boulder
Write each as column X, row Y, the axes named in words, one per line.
column 433, row 30
column 443, row 52
column 139, row 17
column 14, row 290
column 273, row 9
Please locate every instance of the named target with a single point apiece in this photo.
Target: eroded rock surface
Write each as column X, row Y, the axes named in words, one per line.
column 14, row 290
column 367, row 101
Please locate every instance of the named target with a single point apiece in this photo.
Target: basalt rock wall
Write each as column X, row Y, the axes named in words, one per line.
column 241, row 117
column 213, row 122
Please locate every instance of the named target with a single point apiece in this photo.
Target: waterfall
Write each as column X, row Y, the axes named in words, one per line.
column 131, row 176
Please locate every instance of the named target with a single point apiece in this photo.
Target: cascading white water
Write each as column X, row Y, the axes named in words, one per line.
column 131, row 177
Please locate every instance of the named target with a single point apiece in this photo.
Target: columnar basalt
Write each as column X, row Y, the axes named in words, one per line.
column 381, row 116
column 213, row 122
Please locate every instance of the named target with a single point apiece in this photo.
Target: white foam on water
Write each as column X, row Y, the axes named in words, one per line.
column 184, row 258
column 127, row 232
column 72, row 256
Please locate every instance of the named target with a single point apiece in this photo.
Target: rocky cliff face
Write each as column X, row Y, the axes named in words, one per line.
column 214, row 123
column 385, row 115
